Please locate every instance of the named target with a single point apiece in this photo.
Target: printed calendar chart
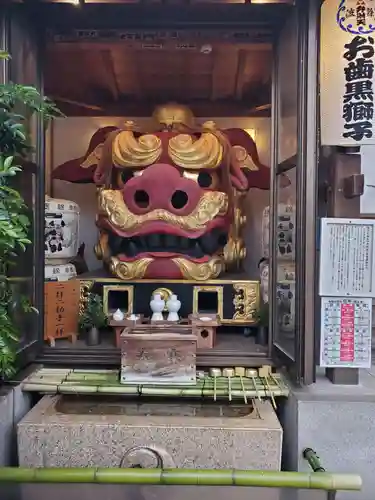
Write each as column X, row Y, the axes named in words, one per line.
column 345, row 332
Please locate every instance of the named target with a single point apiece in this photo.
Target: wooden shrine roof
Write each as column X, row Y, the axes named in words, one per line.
column 123, row 59
column 103, row 77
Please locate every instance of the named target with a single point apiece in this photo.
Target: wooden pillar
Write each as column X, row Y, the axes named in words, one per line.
column 342, row 164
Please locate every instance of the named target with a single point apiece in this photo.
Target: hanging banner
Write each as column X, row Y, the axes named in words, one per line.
column 347, row 78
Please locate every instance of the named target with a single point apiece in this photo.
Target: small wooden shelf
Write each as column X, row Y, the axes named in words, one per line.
column 230, row 349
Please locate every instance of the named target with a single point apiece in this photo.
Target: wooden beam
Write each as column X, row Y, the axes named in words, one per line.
column 78, row 104
column 272, row 1
column 224, row 72
column 264, row 107
column 109, row 68
column 74, row 46
column 192, row 2
column 138, row 75
column 240, row 74
column 215, row 73
column 142, row 108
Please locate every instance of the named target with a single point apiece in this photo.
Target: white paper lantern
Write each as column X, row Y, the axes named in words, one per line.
column 62, row 272
column 61, row 238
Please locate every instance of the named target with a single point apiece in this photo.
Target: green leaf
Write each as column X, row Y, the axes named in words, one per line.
column 15, row 143
column 4, row 55
column 21, row 135
column 24, row 220
column 8, row 161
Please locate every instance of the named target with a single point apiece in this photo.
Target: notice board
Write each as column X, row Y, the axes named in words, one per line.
column 345, row 332
column 347, row 258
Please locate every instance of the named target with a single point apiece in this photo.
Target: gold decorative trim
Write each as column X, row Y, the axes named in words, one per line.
column 101, row 248
column 243, row 158
column 209, row 289
column 246, row 301
column 244, row 322
column 188, row 152
column 84, row 290
column 94, row 157
column 191, row 270
column 165, row 294
column 119, row 288
column 130, row 152
column 129, row 270
column 200, row 272
column 234, row 253
column 212, row 204
column 173, row 114
column 235, row 249
column 156, row 281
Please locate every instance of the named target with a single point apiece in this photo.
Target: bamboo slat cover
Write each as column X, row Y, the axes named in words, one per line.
column 107, row 382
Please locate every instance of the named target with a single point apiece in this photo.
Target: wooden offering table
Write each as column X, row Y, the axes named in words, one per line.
column 119, row 326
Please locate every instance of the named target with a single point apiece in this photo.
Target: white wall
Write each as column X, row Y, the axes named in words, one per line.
column 70, row 138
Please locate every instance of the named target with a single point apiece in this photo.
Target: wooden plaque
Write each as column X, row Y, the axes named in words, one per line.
column 163, row 354
column 61, row 310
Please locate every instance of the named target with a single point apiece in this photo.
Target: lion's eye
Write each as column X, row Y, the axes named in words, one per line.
column 205, row 179
column 124, row 176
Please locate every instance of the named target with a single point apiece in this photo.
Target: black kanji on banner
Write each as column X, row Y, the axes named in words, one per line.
column 358, row 99
column 361, row 13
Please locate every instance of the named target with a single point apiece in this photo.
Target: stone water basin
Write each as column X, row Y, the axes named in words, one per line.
column 79, row 431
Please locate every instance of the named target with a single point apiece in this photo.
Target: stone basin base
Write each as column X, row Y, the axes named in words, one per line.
column 77, row 431
column 63, row 431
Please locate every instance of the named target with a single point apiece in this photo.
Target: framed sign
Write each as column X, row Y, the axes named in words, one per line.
column 345, row 332
column 347, row 258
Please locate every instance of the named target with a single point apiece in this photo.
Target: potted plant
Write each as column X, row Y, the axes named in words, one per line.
column 263, row 324
column 93, row 319
column 15, row 147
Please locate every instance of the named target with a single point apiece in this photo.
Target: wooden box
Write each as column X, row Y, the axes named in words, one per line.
column 61, row 310
column 119, row 326
column 158, row 354
column 204, row 328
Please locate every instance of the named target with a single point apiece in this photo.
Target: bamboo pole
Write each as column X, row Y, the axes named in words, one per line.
column 91, row 387
column 184, row 477
column 313, row 460
column 52, row 381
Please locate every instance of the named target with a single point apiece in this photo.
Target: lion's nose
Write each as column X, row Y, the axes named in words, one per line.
column 161, row 187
